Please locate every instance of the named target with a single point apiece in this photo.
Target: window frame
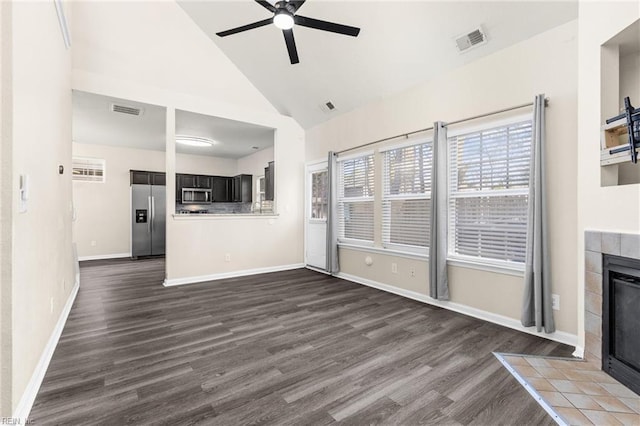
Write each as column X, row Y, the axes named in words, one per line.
column 488, row 264
column 354, row 200
column 95, row 160
column 386, row 233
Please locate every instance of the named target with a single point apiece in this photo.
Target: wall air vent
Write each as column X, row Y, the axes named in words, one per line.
column 473, row 39
column 123, row 109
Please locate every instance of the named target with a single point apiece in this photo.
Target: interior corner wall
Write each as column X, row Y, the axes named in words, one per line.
column 170, row 62
column 5, row 207
column 42, row 253
column 610, row 208
column 546, row 63
column 254, row 164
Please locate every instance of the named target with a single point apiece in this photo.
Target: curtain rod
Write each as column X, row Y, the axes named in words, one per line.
column 500, row 111
column 403, row 135
column 475, row 117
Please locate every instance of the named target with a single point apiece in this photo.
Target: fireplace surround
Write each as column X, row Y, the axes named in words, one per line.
column 612, row 260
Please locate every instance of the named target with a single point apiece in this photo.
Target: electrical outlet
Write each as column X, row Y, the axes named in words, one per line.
column 412, row 272
column 555, row 302
column 93, row 243
column 394, row 268
column 227, row 257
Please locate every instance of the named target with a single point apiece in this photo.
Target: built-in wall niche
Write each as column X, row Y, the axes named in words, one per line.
column 218, row 162
column 620, row 77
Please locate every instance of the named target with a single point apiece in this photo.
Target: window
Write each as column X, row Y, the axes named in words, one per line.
column 319, row 202
column 88, row 169
column 488, row 191
column 263, row 205
column 355, row 198
column 406, row 200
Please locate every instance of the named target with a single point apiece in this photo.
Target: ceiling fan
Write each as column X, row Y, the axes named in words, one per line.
column 284, row 17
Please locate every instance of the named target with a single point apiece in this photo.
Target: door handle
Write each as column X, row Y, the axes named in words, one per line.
column 149, row 210
column 153, row 213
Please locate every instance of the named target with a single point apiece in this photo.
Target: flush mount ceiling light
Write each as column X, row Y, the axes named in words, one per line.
column 195, row 141
column 285, row 15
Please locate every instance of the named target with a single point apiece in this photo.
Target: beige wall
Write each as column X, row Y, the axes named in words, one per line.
column 612, row 208
column 206, row 165
column 42, row 257
column 190, row 73
column 546, row 64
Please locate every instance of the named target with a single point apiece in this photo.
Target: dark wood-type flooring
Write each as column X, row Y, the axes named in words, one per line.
column 291, row 348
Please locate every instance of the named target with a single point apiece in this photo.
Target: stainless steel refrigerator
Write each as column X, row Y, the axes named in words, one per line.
column 148, row 220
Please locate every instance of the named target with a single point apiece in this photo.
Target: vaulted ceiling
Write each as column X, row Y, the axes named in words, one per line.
column 401, row 44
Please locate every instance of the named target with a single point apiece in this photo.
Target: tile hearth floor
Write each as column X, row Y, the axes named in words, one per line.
column 575, row 392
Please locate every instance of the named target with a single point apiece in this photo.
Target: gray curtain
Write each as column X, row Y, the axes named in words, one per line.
column 536, row 307
column 332, row 214
column 438, row 281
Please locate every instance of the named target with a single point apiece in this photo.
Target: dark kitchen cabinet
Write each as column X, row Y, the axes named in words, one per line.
column 186, row 181
column 203, row 182
column 141, row 177
column 221, row 189
column 242, row 189
column 269, row 180
column 195, row 181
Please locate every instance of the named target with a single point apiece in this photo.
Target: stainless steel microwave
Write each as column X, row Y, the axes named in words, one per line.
column 196, row 195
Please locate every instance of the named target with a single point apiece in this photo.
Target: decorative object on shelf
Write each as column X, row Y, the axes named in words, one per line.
column 626, row 124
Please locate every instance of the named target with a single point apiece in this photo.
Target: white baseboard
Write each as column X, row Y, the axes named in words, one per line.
column 198, row 279
column 29, row 395
column 104, row 256
column 579, row 352
column 558, row 336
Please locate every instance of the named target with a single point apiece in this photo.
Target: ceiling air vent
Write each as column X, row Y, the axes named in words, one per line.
column 328, row 107
column 123, row 109
column 475, row 38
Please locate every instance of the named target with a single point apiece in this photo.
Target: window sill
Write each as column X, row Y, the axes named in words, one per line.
column 385, row 251
column 517, row 271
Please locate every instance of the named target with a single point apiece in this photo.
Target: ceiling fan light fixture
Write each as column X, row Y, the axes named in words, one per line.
column 195, row 141
column 283, row 20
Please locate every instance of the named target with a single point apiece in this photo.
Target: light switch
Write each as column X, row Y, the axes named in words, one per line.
column 23, row 193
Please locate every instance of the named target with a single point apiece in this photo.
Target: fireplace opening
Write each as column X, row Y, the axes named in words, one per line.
column 621, row 320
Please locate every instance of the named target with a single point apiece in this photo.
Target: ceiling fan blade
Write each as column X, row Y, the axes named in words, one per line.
column 291, row 46
column 297, row 4
column 326, row 26
column 266, row 5
column 245, row 28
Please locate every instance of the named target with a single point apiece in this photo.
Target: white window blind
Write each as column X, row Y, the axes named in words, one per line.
column 406, row 201
column 88, row 169
column 355, row 198
column 488, row 192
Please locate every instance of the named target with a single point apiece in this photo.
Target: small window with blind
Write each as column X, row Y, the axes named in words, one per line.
column 406, row 200
column 88, row 169
column 488, row 192
column 355, row 199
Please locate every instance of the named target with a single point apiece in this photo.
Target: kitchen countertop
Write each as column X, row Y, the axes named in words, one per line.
column 191, row 216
